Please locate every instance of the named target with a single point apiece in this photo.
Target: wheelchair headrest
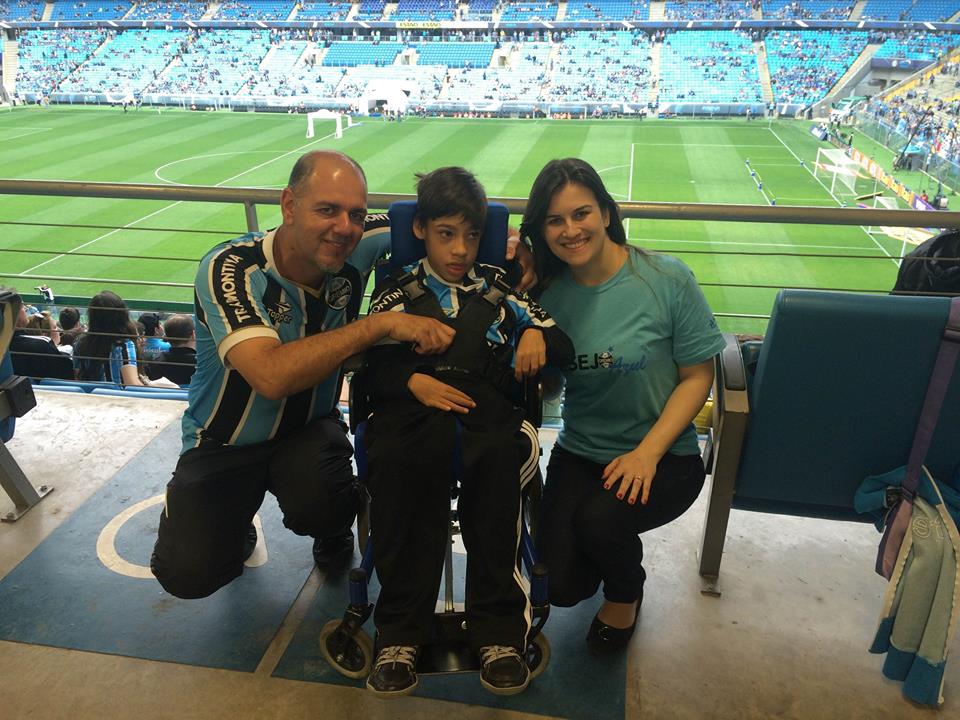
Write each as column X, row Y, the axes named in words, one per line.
column 407, row 248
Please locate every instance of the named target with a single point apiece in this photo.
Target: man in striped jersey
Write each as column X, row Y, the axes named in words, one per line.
column 273, row 327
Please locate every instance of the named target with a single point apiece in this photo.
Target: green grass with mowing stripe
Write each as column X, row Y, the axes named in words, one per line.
column 675, row 160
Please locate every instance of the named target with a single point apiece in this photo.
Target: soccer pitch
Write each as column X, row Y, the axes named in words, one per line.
column 740, row 265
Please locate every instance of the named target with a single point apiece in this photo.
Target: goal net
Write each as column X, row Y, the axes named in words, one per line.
column 841, row 169
column 341, row 121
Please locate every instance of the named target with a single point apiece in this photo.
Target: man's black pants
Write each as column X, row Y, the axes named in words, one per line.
column 216, row 490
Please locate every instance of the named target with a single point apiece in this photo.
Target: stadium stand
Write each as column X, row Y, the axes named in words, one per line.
column 593, row 10
column 21, row 10
column 528, row 11
column 805, row 65
column 420, row 83
column 885, row 9
column 918, row 46
column 520, row 81
column 480, row 10
column 127, row 64
column 425, row 10
column 701, row 10
column 322, row 10
column 349, row 53
column 608, row 65
column 89, row 11
column 274, row 74
column 218, row 62
column 455, row 54
column 932, row 10
column 709, row 66
column 168, row 10
column 370, row 10
column 807, row 9
column 49, row 56
column 261, row 10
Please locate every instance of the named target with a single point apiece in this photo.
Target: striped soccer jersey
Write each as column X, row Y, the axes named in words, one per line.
column 240, row 295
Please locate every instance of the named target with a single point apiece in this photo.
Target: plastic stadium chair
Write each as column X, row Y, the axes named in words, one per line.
column 839, row 385
column 16, row 399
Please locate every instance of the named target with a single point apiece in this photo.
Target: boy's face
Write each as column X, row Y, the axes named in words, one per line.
column 451, row 244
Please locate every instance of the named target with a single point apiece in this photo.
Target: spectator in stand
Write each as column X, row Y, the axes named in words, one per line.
column 108, row 351
column 70, row 328
column 36, row 355
column 179, row 362
column 153, row 344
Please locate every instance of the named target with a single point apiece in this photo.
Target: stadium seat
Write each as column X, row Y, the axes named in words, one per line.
column 16, row 399
column 838, row 388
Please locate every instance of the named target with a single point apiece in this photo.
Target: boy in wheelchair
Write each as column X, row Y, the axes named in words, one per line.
column 427, row 407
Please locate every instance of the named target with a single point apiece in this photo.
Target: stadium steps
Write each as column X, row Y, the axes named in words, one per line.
column 760, row 49
column 388, row 10
column 212, row 10
column 854, row 74
column 757, row 12
column 561, row 11
column 11, row 64
column 47, row 11
column 658, row 11
column 857, row 11
column 655, row 49
column 955, row 17
column 294, row 11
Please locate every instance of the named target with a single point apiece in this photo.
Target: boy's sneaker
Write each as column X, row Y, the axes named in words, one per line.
column 393, row 671
column 505, row 671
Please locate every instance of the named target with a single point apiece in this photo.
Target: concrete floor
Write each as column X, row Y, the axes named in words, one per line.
column 786, row 639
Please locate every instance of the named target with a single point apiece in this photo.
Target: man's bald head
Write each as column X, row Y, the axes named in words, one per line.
column 328, row 159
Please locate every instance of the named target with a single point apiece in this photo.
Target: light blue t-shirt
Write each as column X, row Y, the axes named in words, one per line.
column 629, row 336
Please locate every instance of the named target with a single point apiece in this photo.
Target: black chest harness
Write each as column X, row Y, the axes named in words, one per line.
column 469, row 353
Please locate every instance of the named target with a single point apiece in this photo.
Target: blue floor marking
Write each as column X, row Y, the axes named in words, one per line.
column 63, row 596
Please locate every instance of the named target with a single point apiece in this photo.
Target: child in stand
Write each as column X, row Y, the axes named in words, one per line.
column 418, row 400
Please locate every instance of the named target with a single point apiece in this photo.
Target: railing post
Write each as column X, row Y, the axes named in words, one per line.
column 250, row 208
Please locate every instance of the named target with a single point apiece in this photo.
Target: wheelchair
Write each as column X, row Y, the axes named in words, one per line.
column 344, row 644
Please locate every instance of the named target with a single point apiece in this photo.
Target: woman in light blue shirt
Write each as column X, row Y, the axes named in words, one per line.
column 627, row 459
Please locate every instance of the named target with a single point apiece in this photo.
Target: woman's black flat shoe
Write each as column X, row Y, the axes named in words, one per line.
column 602, row 638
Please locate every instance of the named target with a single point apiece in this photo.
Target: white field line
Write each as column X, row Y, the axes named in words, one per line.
column 23, row 134
column 172, row 205
column 835, row 198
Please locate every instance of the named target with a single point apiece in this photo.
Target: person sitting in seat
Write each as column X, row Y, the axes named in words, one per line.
column 501, row 336
column 179, row 362
column 35, row 356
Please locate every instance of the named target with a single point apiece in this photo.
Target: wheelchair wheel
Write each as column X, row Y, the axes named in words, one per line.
column 538, row 655
column 356, row 657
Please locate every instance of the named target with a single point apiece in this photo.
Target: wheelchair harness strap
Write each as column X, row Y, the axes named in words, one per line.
column 470, row 353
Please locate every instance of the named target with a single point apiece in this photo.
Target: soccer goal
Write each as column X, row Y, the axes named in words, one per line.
column 840, row 168
column 342, row 121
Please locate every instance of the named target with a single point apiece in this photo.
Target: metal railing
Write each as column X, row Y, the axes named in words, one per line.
column 249, row 198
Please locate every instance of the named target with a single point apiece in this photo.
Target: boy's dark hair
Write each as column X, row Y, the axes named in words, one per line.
column 451, row 191
column 150, row 322
column 69, row 318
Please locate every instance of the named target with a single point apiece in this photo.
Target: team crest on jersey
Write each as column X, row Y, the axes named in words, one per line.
column 338, row 294
column 280, row 313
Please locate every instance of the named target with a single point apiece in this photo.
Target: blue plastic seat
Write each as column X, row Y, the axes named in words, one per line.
column 838, row 389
